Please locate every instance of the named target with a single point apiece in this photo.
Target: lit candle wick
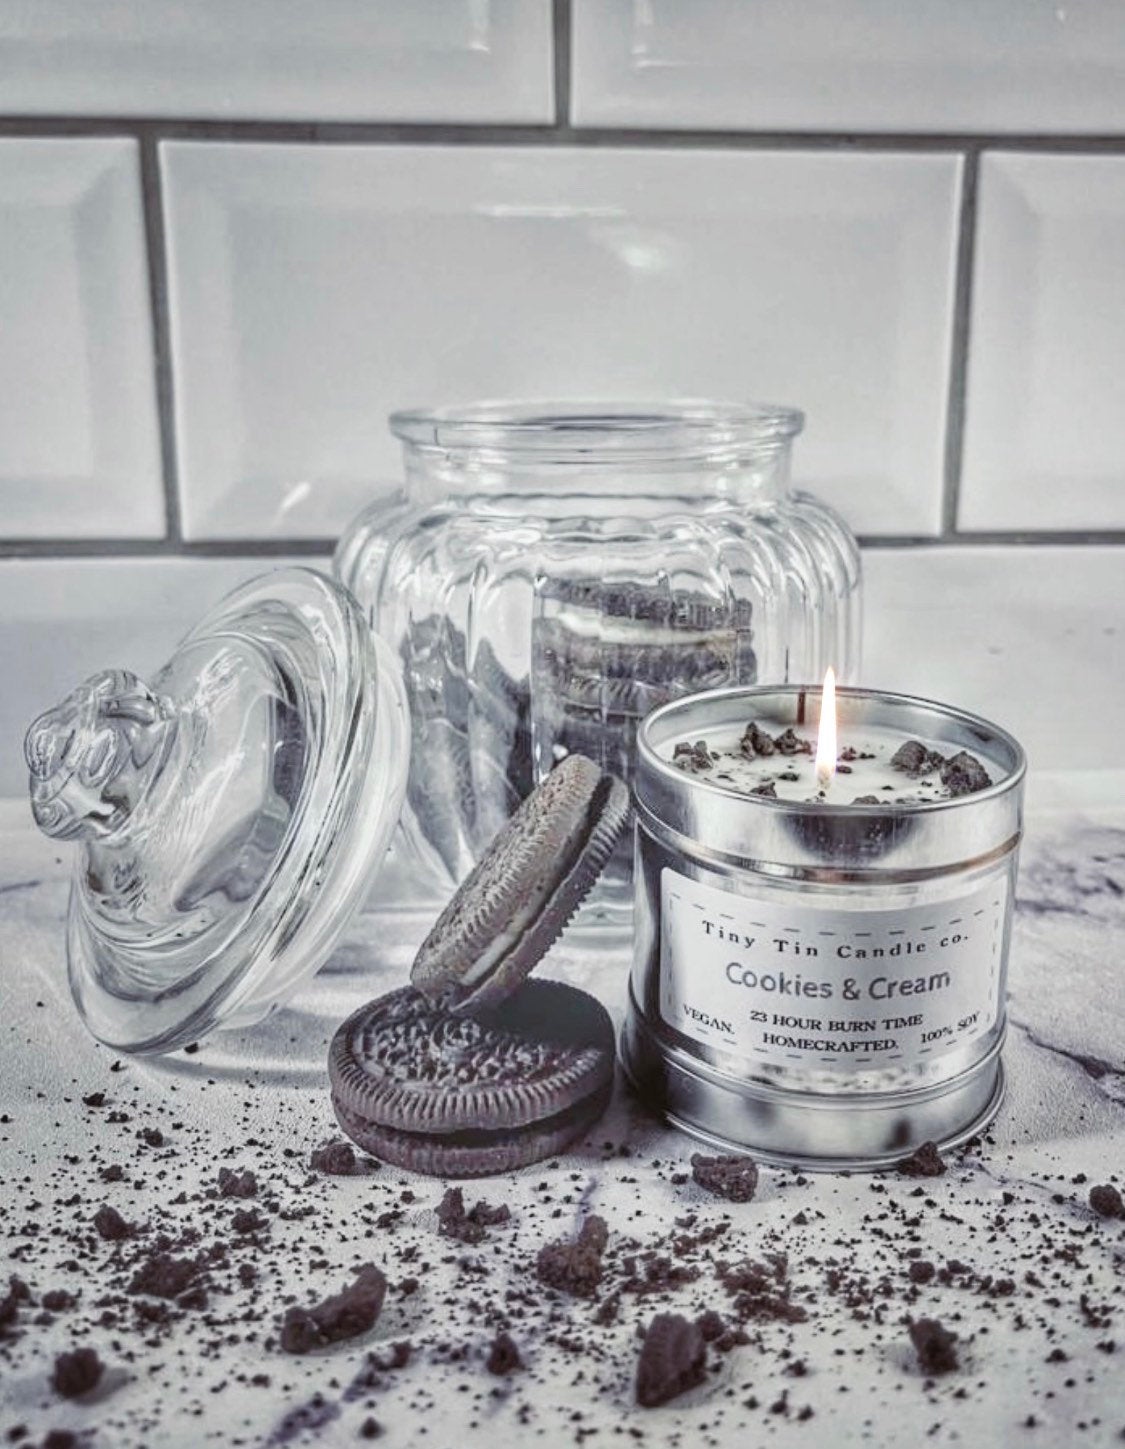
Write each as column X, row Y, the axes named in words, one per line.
column 826, row 738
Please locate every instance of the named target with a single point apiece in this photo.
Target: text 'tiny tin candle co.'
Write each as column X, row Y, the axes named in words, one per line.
column 822, row 939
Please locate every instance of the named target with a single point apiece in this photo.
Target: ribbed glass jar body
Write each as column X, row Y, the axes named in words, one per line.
column 547, row 576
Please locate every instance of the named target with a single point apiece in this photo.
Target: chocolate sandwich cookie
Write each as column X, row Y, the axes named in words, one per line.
column 524, row 889
column 466, row 1096
column 474, row 1069
column 608, row 656
column 649, row 603
column 626, row 666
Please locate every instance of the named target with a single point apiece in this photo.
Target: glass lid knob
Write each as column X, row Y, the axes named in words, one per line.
column 93, row 756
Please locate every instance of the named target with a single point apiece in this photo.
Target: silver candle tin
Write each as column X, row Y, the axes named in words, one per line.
column 822, row 985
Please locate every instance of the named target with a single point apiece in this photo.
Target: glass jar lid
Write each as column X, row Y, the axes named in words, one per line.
column 231, row 815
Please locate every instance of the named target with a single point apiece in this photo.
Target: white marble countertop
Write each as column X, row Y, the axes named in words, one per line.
column 1050, row 1349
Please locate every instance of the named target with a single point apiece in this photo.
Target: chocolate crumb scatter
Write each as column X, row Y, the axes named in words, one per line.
column 790, row 743
column 964, row 775
column 734, row 1178
column 934, row 1346
column 760, row 1291
column 1106, row 1201
column 305, row 1419
column 468, row 1227
column 111, row 1225
column 778, row 1302
column 163, row 1276
column 76, row 1373
column 813, row 1284
column 237, row 1184
column 248, row 1220
column 755, row 741
column 346, row 1314
column 913, row 758
column 503, row 1356
column 695, row 758
column 17, row 1294
column 336, row 1159
column 575, row 1268
column 376, row 1366
column 673, row 1359
column 608, row 1310
column 924, row 1161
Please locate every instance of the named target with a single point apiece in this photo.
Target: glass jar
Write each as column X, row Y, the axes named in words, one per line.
column 549, row 575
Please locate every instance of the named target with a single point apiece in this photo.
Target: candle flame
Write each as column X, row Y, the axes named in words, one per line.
column 826, row 739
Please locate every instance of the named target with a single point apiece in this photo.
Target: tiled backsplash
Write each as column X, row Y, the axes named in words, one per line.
column 851, row 65
column 314, row 287
column 234, row 235
column 334, row 60
column 79, row 439
column 1045, row 418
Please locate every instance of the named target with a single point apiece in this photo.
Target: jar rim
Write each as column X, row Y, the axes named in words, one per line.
column 668, row 427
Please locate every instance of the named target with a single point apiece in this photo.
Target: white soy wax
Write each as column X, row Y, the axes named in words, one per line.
column 869, row 766
column 863, row 766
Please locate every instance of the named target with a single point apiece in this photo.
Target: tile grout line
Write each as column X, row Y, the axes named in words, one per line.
column 152, row 203
column 108, row 549
column 956, row 394
column 560, row 132
column 561, row 23
column 999, row 538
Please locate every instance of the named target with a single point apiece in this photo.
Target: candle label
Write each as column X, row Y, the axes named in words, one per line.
column 785, row 983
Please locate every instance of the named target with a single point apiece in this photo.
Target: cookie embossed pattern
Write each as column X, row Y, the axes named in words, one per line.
column 822, row 933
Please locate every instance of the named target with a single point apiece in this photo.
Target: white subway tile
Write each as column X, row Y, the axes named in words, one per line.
column 313, row 289
column 79, row 441
column 1045, row 421
column 869, row 65
column 62, row 620
column 1032, row 638
column 332, row 60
